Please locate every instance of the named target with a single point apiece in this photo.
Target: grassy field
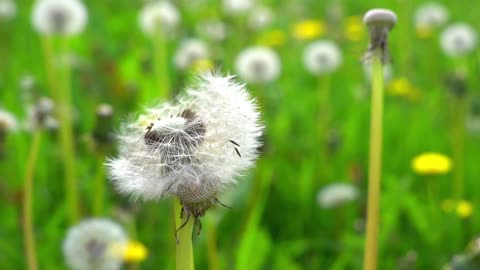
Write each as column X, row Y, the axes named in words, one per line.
column 316, row 134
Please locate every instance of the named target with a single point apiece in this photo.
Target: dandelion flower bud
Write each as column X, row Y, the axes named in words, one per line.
column 258, row 64
column 193, row 149
column 322, row 57
column 379, row 22
column 93, row 244
column 8, row 10
column 237, row 7
column 337, row 194
column 458, row 39
column 189, row 52
column 158, row 15
column 59, row 17
column 430, row 16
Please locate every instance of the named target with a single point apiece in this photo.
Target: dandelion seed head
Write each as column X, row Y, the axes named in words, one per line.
column 258, row 64
column 193, row 148
column 91, row 245
column 190, row 51
column 337, row 194
column 430, row 15
column 59, row 17
column 458, row 39
column 158, row 15
column 260, row 17
column 8, row 10
column 237, row 7
column 8, row 121
column 322, row 57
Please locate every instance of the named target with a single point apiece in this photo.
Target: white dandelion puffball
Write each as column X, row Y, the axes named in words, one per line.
column 190, row 51
column 322, row 57
column 59, row 17
column 258, row 64
column 430, row 15
column 192, row 149
column 158, row 15
column 94, row 244
column 237, row 7
column 260, row 17
column 8, row 122
column 458, row 39
column 337, row 194
column 8, row 10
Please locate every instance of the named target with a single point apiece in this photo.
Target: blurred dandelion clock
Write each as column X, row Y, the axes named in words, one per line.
column 214, row 30
column 337, row 194
column 258, row 64
column 59, row 17
column 237, row 7
column 322, row 57
column 193, row 148
column 430, row 16
column 260, row 17
column 158, row 15
column 8, row 10
column 8, row 122
column 189, row 52
column 93, row 245
column 458, row 39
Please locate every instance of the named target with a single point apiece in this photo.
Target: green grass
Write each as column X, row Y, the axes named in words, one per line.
column 275, row 222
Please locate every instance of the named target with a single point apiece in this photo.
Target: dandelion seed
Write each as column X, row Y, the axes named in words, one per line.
column 93, row 244
column 189, row 52
column 258, row 64
column 158, row 15
column 8, row 10
column 237, row 7
column 431, row 164
column 458, row 39
column 41, row 115
column 189, row 149
column 322, row 57
column 428, row 17
column 59, row 17
column 336, row 195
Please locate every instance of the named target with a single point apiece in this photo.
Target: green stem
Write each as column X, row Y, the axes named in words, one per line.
column 184, row 253
column 458, row 144
column 324, row 83
column 212, row 249
column 161, row 67
column 29, row 237
column 99, row 197
column 374, row 166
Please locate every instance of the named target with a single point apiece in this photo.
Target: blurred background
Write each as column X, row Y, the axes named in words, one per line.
column 65, row 89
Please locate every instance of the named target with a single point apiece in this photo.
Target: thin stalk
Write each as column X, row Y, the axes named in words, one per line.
column 66, row 138
column 458, row 144
column 324, row 83
column 184, row 251
column 99, row 197
column 212, row 249
column 29, row 237
column 375, row 165
column 162, row 88
column 49, row 57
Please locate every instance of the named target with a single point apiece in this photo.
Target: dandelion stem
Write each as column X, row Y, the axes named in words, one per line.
column 184, row 253
column 99, row 186
column 212, row 248
column 29, row 237
column 161, row 67
column 324, row 123
column 375, row 163
column 458, row 144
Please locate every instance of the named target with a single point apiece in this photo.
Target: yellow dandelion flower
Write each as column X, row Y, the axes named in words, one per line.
column 354, row 29
column 273, row 38
column 132, row 251
column 464, row 209
column 202, row 65
column 431, row 163
column 448, row 205
column 402, row 87
column 308, row 29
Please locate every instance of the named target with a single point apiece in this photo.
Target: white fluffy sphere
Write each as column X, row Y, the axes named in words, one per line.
column 337, row 194
column 59, row 17
column 158, row 15
column 430, row 15
column 190, row 51
column 321, row 57
column 258, row 64
column 458, row 39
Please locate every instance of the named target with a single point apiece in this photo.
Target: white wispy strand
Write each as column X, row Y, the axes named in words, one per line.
column 430, row 15
column 336, row 194
column 8, row 10
column 321, row 57
column 8, row 121
column 190, row 51
column 258, row 64
column 158, row 15
column 59, row 17
column 93, row 244
column 196, row 149
column 458, row 39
